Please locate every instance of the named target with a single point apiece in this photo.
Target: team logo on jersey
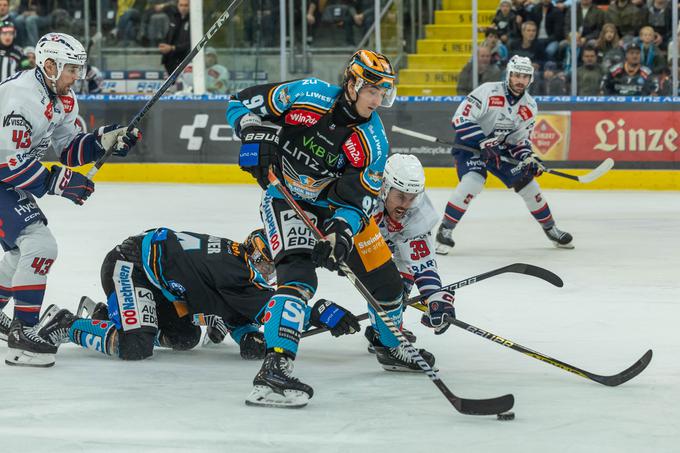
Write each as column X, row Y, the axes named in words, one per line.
column 68, row 103
column 497, row 101
column 524, row 112
column 354, row 151
column 304, row 117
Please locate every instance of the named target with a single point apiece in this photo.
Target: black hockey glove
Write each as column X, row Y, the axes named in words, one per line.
column 253, row 346
column 439, row 310
column 259, row 150
column 69, row 184
column 338, row 320
column 335, row 247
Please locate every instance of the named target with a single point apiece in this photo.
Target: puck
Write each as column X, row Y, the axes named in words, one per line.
column 506, row 416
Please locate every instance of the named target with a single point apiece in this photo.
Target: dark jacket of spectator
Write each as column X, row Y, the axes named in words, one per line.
column 592, row 23
column 491, row 73
column 506, row 25
column 179, row 35
column 588, row 80
column 554, row 21
column 627, row 17
column 41, row 7
column 533, row 51
column 661, row 21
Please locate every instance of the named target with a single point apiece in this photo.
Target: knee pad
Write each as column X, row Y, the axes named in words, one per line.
column 385, row 284
column 531, row 194
column 181, row 341
column 37, row 240
column 296, row 276
column 472, row 183
column 135, row 345
column 523, row 183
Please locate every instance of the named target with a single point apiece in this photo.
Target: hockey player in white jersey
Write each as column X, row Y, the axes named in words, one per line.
column 406, row 217
column 497, row 119
column 38, row 109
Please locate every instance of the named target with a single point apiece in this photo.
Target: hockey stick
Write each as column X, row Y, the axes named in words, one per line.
column 591, row 176
column 170, row 80
column 464, row 406
column 518, row 268
column 610, row 381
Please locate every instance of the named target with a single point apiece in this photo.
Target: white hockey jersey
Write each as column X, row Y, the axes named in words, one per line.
column 411, row 244
column 491, row 111
column 32, row 119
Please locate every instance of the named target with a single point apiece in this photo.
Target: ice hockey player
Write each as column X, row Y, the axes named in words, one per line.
column 162, row 285
column 38, row 109
column 406, row 217
column 497, row 119
column 330, row 153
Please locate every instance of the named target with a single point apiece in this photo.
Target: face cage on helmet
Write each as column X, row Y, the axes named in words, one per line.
column 390, row 94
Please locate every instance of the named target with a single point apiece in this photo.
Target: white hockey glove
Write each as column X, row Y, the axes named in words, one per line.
column 117, row 137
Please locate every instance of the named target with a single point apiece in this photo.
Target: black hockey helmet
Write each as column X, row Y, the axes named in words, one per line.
column 259, row 254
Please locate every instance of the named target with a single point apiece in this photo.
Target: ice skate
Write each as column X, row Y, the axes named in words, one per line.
column 274, row 385
column 5, row 322
column 444, row 240
column 95, row 310
column 27, row 348
column 560, row 238
column 399, row 359
column 373, row 340
column 54, row 325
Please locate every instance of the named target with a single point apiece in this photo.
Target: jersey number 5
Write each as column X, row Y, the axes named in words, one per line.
column 420, row 250
column 466, row 109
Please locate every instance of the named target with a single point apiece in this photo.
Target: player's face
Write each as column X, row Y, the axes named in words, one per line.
column 633, row 57
column 210, row 60
column 398, row 202
column 519, row 82
column 369, row 99
column 68, row 77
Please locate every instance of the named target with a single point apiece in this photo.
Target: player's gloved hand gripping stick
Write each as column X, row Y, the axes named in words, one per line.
column 465, row 406
column 169, row 81
column 600, row 170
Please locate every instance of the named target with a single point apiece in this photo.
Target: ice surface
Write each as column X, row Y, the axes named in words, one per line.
column 621, row 297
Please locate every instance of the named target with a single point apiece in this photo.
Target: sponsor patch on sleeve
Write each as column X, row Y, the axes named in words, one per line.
column 354, row 150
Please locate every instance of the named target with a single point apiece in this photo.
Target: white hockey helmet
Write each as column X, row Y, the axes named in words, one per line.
column 63, row 49
column 405, row 173
column 519, row 65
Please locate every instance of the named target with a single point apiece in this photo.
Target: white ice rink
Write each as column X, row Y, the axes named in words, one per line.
column 621, row 297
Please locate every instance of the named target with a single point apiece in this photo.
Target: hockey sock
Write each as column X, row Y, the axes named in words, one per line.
column 386, row 337
column 94, row 334
column 470, row 185
column 284, row 319
column 531, row 194
column 27, row 309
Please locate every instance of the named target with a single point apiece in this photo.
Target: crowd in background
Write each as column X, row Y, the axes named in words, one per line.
column 622, row 46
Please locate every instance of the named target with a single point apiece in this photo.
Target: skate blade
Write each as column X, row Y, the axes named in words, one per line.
column 568, row 246
column 401, row 369
column 19, row 357
column 265, row 397
column 370, row 349
column 441, row 249
column 86, row 305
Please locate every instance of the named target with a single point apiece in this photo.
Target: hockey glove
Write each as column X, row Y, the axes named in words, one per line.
column 533, row 164
column 334, row 248
column 490, row 149
column 69, row 184
column 259, row 150
column 439, row 310
column 253, row 346
column 338, row 320
column 119, row 138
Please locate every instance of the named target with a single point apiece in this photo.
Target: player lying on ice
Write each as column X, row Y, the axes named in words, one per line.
column 330, row 153
column 406, row 216
column 162, row 285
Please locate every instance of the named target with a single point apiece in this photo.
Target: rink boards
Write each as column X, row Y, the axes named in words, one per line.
column 187, row 139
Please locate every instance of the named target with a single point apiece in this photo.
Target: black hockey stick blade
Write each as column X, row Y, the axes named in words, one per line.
column 627, row 374
column 535, row 271
column 489, row 406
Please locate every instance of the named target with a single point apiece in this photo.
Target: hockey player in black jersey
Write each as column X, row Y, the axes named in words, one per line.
column 330, row 153
column 162, row 285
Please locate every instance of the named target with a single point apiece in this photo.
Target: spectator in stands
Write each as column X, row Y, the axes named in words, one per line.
column 589, row 76
column 177, row 43
column 30, row 57
column 343, row 14
column 129, row 19
column 216, row 75
column 487, row 72
column 4, row 11
column 551, row 82
column 550, row 23
column 11, row 56
column 608, row 45
column 499, row 53
column 313, row 18
column 155, row 22
column 34, row 18
column 260, row 23
column 666, row 83
column 589, row 21
column 565, row 49
column 521, row 9
column 505, row 22
column 650, row 54
column 629, row 78
column 93, row 82
column 527, row 45
column 659, row 17
column 627, row 17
